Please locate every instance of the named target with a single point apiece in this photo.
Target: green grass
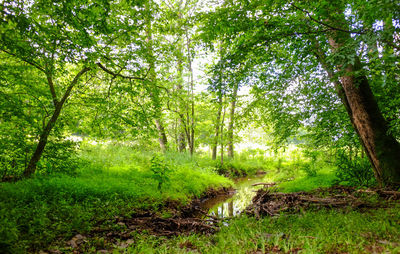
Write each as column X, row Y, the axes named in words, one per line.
column 115, row 180
column 325, row 231
column 325, row 177
column 318, row 231
column 111, row 180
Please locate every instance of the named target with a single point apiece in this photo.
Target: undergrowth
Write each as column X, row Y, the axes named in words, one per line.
column 110, row 181
column 324, row 231
column 117, row 180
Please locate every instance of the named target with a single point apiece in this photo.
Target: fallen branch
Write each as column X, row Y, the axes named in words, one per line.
column 265, row 184
column 269, row 203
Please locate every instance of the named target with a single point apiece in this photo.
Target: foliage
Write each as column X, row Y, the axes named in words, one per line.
column 59, row 157
column 355, row 171
column 311, row 167
column 321, row 231
column 161, row 171
column 111, row 180
column 142, row 74
column 324, row 178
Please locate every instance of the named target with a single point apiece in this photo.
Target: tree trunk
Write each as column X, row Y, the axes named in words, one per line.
column 42, row 142
column 222, row 134
column 217, row 122
column 181, row 128
column 37, row 154
column 154, row 90
column 381, row 148
column 230, row 208
column 190, row 95
column 181, row 140
column 231, row 121
column 162, row 137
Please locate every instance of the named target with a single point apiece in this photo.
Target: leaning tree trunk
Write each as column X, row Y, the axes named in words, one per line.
column 42, row 142
column 37, row 154
column 381, row 147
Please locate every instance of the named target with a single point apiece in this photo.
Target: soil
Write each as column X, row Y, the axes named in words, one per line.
column 176, row 219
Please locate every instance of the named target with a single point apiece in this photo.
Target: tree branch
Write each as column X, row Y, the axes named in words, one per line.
column 72, row 84
column 52, row 89
column 114, row 74
column 24, row 60
column 325, row 24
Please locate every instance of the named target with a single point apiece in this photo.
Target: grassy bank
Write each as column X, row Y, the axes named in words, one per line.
column 326, row 231
column 311, row 231
column 110, row 181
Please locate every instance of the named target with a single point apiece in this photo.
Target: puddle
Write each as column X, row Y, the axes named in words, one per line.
column 233, row 204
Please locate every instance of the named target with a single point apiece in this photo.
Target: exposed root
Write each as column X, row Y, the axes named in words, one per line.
column 270, row 203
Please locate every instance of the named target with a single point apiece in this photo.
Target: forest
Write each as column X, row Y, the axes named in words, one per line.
column 199, row 126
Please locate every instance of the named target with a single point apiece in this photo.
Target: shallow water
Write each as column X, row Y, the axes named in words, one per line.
column 233, row 204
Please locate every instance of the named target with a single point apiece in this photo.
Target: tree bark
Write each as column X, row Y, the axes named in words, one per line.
column 181, row 140
column 381, row 147
column 181, row 130
column 154, row 90
column 217, row 123
column 190, row 95
column 162, row 137
column 232, row 121
column 222, row 134
column 43, row 138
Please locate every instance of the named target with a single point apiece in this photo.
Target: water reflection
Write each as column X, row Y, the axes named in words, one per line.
column 234, row 203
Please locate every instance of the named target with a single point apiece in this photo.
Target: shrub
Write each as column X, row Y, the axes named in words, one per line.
column 356, row 172
column 310, row 168
column 60, row 156
column 161, row 170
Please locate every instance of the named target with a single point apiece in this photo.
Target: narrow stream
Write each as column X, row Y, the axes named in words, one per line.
column 233, row 204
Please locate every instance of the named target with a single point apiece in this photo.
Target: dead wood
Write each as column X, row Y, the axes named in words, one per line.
column 265, row 184
column 270, row 203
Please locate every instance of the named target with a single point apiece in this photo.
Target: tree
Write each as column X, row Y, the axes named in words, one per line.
column 232, row 120
column 382, row 149
column 62, row 42
column 288, row 42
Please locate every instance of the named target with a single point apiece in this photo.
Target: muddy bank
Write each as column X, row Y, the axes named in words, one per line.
column 172, row 219
column 268, row 202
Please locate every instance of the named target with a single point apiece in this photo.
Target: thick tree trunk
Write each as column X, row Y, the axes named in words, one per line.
column 231, row 122
column 230, row 208
column 381, row 148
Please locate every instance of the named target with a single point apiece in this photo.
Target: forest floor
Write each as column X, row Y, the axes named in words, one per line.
column 330, row 220
column 338, row 219
column 111, row 205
